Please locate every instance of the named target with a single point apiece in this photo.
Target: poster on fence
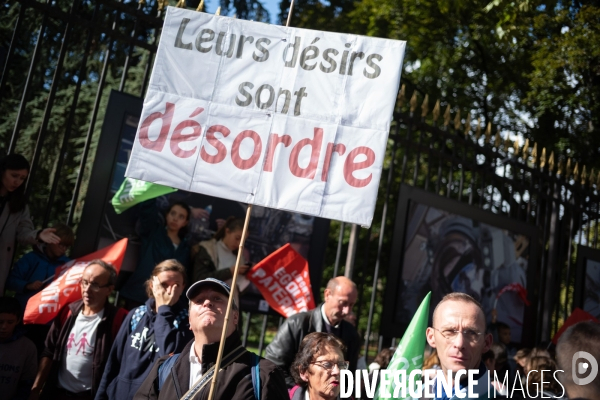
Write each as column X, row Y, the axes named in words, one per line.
column 280, row 117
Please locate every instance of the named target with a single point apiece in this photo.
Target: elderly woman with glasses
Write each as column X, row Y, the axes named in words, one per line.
column 316, row 369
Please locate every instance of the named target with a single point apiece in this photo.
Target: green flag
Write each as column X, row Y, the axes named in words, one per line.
column 133, row 191
column 408, row 355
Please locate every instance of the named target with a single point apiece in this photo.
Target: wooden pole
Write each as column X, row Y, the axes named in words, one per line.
column 289, row 18
column 235, row 272
column 229, row 303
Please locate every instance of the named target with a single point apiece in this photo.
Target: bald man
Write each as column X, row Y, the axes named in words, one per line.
column 577, row 355
column 458, row 334
column 340, row 296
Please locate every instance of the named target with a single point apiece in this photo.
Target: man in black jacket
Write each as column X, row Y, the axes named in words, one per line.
column 242, row 375
column 340, row 296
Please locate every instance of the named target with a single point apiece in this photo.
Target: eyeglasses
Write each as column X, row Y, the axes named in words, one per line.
column 469, row 334
column 94, row 287
column 328, row 365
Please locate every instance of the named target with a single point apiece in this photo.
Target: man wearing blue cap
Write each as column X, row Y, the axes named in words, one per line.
column 188, row 375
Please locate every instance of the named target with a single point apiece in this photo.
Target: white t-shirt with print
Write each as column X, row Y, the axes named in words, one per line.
column 75, row 374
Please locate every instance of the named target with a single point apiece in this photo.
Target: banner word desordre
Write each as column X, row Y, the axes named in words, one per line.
column 286, row 118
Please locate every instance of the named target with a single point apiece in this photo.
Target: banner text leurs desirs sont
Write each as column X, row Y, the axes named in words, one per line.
column 280, row 117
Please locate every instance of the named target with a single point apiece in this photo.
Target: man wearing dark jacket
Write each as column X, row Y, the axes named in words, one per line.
column 340, row 296
column 191, row 370
column 80, row 339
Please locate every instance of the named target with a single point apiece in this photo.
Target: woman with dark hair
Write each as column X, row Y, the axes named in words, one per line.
column 157, row 328
column 215, row 258
column 317, row 367
column 160, row 241
column 15, row 222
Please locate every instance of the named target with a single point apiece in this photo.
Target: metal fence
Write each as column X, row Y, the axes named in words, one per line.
column 62, row 58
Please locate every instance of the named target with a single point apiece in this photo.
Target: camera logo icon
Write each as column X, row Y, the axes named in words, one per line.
column 581, row 368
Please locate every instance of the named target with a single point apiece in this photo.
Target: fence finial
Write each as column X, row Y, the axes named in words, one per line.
column 507, row 144
column 516, row 148
column 142, row 2
column 583, row 175
column 218, row 12
column 413, row 102
column 468, row 124
column 425, row 106
column 180, row 4
column 488, row 132
column 568, row 169
column 534, row 153
column 457, row 120
column 401, row 95
column 497, row 140
column 525, row 148
column 561, row 164
column 576, row 172
column 592, row 176
column 200, row 6
column 436, row 112
column 447, row 116
column 551, row 162
column 161, row 4
column 543, row 158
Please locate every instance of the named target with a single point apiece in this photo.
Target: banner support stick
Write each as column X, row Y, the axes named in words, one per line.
column 235, row 272
column 289, row 18
column 230, row 302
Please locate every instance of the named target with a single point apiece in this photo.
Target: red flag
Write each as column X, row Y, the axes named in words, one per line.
column 578, row 315
column 282, row 278
column 65, row 289
column 514, row 287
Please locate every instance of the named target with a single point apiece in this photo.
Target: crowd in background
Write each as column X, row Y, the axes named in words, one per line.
column 174, row 303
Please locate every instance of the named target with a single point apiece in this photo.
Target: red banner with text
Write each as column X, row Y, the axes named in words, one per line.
column 65, row 289
column 282, row 278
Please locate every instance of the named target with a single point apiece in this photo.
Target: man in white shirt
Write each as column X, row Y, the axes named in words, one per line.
column 459, row 336
column 79, row 341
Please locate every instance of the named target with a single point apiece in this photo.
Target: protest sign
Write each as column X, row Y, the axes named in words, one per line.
column 267, row 115
column 282, row 278
column 64, row 289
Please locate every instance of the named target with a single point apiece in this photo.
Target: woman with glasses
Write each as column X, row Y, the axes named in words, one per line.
column 316, row 369
column 157, row 328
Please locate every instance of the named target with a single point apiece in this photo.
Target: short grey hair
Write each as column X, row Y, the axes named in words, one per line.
column 112, row 279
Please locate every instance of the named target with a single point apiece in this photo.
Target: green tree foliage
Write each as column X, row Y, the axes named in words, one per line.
column 565, row 81
column 75, row 82
column 531, row 68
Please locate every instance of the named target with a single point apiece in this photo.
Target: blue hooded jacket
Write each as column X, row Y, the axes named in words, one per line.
column 144, row 337
column 33, row 266
column 156, row 247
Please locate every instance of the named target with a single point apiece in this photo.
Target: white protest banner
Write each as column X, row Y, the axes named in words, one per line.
column 279, row 117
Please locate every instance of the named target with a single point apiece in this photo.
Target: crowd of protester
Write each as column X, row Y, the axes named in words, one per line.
column 163, row 343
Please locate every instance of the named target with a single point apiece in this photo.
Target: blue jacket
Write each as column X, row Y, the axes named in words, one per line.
column 33, row 266
column 156, row 247
column 144, row 337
